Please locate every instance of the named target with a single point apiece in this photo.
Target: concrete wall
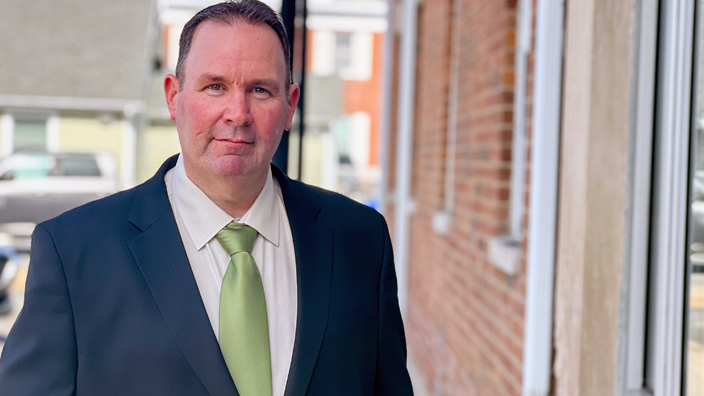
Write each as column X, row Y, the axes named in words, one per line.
column 592, row 212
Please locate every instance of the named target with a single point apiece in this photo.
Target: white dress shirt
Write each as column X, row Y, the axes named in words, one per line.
column 199, row 219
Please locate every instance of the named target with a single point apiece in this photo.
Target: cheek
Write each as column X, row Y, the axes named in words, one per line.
column 197, row 119
column 271, row 118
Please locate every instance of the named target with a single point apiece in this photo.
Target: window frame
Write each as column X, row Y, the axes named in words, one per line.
column 631, row 366
column 8, row 121
column 664, row 360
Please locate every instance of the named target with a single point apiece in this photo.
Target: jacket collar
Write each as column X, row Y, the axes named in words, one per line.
column 313, row 242
column 151, row 201
column 162, row 259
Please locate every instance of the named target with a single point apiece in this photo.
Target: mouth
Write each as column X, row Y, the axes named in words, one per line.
column 234, row 142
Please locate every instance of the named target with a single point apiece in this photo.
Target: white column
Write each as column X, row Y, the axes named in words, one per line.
column 386, row 101
column 7, row 131
column 52, row 133
column 404, row 151
column 537, row 353
column 128, row 156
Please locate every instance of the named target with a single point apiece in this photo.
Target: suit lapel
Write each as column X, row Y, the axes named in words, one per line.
column 313, row 243
column 160, row 255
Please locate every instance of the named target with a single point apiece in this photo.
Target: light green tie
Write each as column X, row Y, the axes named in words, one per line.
column 244, row 332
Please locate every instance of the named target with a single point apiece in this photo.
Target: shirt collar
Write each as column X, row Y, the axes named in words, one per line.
column 204, row 219
column 263, row 215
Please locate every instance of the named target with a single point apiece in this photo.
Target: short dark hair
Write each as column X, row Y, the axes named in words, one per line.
column 253, row 12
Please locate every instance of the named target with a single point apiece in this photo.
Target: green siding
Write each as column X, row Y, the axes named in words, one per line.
column 90, row 135
column 29, row 134
column 156, row 144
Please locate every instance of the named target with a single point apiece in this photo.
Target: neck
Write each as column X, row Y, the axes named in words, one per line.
column 234, row 195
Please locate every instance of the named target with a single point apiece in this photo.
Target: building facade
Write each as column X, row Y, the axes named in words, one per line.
column 542, row 179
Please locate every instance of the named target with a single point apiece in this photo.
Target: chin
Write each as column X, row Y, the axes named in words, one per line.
column 234, row 166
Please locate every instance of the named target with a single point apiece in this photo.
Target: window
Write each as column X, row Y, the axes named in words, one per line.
column 78, row 166
column 343, row 49
column 693, row 362
column 661, row 343
column 28, row 131
column 30, row 134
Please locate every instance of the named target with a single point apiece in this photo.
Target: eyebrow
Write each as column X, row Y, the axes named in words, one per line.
column 206, row 78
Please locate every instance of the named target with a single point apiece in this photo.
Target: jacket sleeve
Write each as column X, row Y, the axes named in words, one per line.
column 39, row 357
column 391, row 373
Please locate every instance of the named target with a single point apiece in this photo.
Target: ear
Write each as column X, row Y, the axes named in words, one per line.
column 171, row 92
column 293, row 96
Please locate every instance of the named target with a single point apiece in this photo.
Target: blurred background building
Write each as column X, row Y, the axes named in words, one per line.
column 540, row 164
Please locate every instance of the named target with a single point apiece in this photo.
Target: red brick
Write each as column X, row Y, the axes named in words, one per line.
column 465, row 318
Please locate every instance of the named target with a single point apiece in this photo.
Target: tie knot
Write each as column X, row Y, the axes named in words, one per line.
column 237, row 237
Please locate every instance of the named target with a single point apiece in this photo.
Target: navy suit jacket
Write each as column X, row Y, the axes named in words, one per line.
column 112, row 307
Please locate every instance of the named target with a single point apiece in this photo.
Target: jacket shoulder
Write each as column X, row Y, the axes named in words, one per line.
column 115, row 210
column 103, row 211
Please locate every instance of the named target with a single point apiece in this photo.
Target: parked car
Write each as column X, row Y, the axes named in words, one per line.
column 9, row 262
column 36, row 186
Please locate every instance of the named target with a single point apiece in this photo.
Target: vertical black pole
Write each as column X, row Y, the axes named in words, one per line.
column 280, row 158
column 288, row 15
column 303, row 10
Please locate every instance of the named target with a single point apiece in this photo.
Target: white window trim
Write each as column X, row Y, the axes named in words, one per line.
column 505, row 251
column 341, row 23
column 668, row 259
column 129, row 148
column 632, row 332
column 547, row 99
column 361, row 57
column 7, row 128
column 518, row 148
column 323, row 52
column 442, row 219
column 53, row 134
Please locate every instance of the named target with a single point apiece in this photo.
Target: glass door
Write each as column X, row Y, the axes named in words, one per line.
column 694, row 299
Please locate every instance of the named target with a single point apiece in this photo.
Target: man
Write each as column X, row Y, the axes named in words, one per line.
column 218, row 276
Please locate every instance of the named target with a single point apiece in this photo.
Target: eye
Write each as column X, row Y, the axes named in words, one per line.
column 215, row 87
column 260, row 90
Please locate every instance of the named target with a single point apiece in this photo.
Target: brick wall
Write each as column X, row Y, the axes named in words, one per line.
column 465, row 317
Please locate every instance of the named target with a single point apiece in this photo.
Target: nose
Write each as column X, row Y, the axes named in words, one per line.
column 237, row 110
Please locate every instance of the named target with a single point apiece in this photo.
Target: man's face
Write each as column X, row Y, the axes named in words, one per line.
column 234, row 104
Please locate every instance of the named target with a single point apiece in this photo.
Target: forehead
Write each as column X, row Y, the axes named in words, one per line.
column 219, row 47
